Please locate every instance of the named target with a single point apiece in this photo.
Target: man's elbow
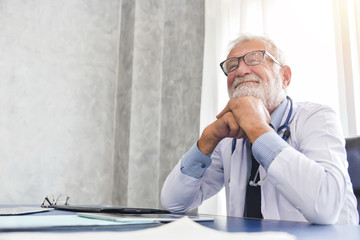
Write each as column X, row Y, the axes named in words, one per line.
column 323, row 218
column 169, row 204
column 325, row 214
column 329, row 202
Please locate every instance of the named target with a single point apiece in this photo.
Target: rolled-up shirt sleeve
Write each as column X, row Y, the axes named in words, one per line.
column 194, row 163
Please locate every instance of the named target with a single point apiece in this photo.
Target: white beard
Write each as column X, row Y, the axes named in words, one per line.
column 270, row 93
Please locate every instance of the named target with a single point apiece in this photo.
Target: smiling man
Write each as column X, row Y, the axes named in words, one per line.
column 276, row 158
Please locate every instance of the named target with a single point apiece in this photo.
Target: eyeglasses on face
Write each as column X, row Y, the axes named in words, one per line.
column 251, row 59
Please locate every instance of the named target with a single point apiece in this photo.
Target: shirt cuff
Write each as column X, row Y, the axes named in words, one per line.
column 266, row 148
column 194, row 163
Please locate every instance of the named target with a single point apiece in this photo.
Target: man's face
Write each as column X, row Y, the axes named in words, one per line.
column 262, row 81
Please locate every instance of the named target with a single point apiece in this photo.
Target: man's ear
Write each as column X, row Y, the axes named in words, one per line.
column 286, row 76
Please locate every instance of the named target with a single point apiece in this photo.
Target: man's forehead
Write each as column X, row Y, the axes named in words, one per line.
column 245, row 47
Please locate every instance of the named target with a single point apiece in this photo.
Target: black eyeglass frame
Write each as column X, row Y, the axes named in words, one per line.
column 264, row 52
column 48, row 203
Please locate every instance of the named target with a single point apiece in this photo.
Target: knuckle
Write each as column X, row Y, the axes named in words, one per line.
column 234, row 103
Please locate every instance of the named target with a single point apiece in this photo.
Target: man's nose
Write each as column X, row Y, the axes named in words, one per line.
column 242, row 69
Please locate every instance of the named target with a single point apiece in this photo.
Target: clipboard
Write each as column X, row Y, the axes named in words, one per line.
column 163, row 218
column 108, row 209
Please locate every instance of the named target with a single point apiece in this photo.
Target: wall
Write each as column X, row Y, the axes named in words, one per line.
column 58, row 77
column 98, row 99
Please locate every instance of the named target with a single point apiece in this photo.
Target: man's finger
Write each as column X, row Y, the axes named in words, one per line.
column 225, row 110
column 233, row 126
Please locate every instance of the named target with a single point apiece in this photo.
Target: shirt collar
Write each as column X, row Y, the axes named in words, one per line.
column 278, row 114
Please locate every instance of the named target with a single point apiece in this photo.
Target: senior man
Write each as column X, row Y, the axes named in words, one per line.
column 276, row 158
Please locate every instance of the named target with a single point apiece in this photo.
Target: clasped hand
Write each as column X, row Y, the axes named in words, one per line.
column 244, row 117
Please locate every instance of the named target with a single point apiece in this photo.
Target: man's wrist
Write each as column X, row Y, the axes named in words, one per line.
column 255, row 131
column 207, row 143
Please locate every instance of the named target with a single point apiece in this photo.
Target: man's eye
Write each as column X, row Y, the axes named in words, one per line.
column 232, row 67
column 253, row 61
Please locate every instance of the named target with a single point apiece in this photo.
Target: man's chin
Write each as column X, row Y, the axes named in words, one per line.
column 248, row 92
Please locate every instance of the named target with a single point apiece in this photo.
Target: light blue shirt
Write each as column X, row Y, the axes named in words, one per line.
column 265, row 149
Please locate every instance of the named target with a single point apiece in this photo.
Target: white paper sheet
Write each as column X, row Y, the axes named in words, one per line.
column 182, row 229
column 60, row 221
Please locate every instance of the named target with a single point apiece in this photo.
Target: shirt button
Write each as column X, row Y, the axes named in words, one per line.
column 203, row 165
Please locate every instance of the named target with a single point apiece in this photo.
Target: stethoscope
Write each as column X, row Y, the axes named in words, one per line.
column 285, row 136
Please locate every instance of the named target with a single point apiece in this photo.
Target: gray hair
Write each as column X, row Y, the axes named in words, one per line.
column 272, row 48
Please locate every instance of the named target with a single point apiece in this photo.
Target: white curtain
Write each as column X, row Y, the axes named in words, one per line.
column 321, row 42
column 158, row 94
